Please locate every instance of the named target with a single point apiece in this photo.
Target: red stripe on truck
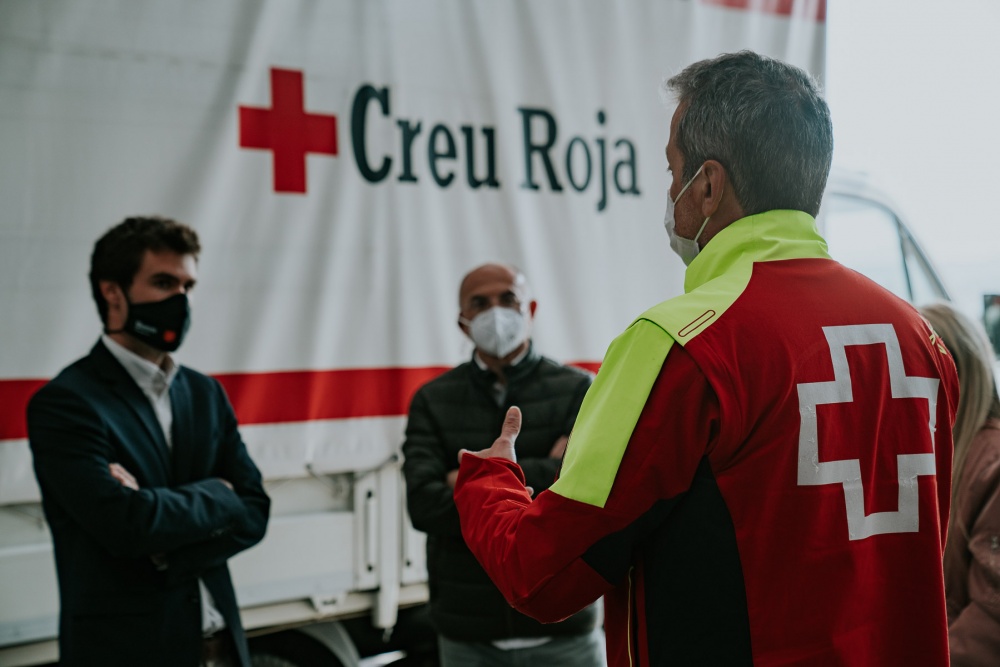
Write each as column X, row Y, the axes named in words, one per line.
column 813, row 9
column 280, row 396
column 14, row 395
column 295, row 396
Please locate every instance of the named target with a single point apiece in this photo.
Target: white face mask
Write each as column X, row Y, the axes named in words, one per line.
column 497, row 331
column 686, row 249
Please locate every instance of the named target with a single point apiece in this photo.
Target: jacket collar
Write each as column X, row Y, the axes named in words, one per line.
column 123, row 385
column 109, row 368
column 512, row 373
column 768, row 236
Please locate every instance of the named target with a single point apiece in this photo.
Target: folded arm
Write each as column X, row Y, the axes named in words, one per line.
column 238, row 470
column 73, row 455
column 429, row 495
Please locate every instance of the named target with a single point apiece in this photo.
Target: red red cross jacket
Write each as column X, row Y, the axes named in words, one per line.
column 759, row 475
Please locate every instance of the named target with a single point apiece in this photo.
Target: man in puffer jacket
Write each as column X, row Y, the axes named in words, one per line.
column 462, row 409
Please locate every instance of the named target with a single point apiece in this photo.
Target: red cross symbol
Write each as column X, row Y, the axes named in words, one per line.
column 288, row 131
column 813, row 471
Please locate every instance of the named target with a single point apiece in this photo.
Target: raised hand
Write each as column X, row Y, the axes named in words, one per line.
column 503, row 447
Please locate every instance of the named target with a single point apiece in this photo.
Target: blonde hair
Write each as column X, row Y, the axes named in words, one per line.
column 977, row 398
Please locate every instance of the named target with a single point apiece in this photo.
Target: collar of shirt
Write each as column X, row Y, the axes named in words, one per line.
column 768, row 236
column 152, row 379
column 499, row 388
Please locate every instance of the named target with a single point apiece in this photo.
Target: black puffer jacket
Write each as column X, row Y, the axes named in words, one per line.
column 458, row 411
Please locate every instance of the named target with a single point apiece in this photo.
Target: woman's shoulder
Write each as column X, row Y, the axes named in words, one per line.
column 982, row 465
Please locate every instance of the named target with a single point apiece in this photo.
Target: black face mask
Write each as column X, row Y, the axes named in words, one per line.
column 160, row 324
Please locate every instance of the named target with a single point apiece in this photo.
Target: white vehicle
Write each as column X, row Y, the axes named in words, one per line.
column 865, row 231
column 344, row 163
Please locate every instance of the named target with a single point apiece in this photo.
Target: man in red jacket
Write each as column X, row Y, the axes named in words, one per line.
column 760, row 472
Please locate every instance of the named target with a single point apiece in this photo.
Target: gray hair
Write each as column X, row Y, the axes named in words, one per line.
column 764, row 121
column 966, row 339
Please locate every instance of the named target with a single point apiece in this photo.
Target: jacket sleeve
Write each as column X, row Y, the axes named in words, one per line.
column 429, row 499
column 235, row 466
column 72, row 452
column 640, row 436
column 974, row 635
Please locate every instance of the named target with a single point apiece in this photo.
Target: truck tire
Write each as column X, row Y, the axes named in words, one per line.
column 291, row 649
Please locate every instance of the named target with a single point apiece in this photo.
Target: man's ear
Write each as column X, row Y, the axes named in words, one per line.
column 715, row 188
column 112, row 293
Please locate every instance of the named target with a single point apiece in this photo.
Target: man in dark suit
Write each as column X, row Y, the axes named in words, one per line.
column 146, row 483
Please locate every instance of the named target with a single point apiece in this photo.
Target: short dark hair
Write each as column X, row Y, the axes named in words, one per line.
column 764, row 121
column 118, row 254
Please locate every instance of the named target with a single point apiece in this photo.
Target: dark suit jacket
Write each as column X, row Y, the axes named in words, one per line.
column 117, row 608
